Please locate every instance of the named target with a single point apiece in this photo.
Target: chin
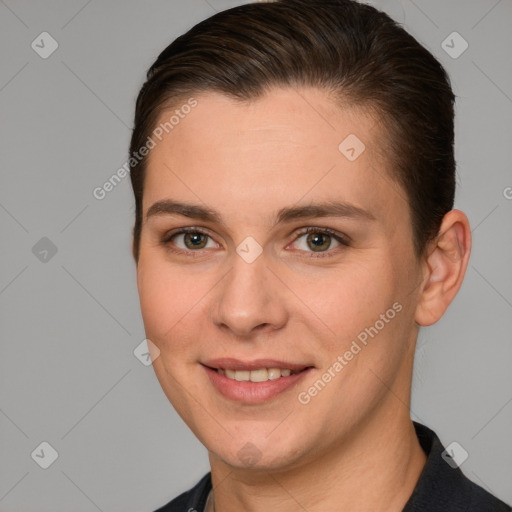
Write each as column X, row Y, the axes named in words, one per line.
column 260, row 454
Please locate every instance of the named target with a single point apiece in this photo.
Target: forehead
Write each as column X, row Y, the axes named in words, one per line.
column 286, row 146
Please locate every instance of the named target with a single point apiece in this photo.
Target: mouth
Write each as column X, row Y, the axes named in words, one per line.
column 256, row 381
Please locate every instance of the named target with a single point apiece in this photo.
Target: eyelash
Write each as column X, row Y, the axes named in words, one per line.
column 342, row 239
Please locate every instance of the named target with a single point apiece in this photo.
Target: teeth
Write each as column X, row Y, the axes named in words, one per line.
column 260, row 375
column 274, row 373
column 242, row 375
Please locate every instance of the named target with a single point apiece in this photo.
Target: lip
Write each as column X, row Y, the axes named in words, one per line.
column 248, row 392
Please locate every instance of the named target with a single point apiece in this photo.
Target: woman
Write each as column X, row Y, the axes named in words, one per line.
column 293, row 170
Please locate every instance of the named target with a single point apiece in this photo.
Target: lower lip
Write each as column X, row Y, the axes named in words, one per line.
column 252, row 392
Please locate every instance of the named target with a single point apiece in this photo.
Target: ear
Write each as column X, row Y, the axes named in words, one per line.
column 444, row 268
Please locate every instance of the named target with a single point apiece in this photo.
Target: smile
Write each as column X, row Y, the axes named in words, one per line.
column 260, row 375
column 256, row 382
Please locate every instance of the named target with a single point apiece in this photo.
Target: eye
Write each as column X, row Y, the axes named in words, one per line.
column 319, row 240
column 189, row 239
column 312, row 240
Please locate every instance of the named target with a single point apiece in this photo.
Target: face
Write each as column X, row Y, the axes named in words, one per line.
column 271, row 241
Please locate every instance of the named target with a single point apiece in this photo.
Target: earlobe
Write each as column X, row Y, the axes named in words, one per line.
column 445, row 267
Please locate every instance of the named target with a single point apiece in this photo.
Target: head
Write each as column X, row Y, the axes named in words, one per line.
column 260, row 123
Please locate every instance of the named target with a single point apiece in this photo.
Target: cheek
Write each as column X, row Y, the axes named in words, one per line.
column 167, row 309
column 154, row 298
column 347, row 300
column 161, row 299
column 367, row 339
column 172, row 304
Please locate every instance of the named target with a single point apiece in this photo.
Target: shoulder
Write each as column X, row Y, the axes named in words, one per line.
column 192, row 500
column 483, row 501
column 442, row 485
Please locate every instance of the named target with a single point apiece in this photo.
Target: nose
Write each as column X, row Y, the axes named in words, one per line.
column 250, row 299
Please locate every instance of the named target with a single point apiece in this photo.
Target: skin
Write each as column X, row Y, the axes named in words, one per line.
column 353, row 446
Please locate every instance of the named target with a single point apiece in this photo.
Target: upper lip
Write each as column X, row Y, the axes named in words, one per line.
column 256, row 364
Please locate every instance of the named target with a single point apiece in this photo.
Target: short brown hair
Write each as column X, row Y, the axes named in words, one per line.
column 348, row 48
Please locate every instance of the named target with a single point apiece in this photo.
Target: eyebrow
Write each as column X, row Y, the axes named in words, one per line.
column 288, row 214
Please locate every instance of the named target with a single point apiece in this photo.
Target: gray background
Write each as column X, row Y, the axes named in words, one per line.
column 70, row 321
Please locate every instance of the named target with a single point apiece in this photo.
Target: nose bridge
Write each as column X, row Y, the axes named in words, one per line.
column 249, row 295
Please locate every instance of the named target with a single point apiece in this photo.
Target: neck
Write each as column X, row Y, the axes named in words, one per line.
column 376, row 469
